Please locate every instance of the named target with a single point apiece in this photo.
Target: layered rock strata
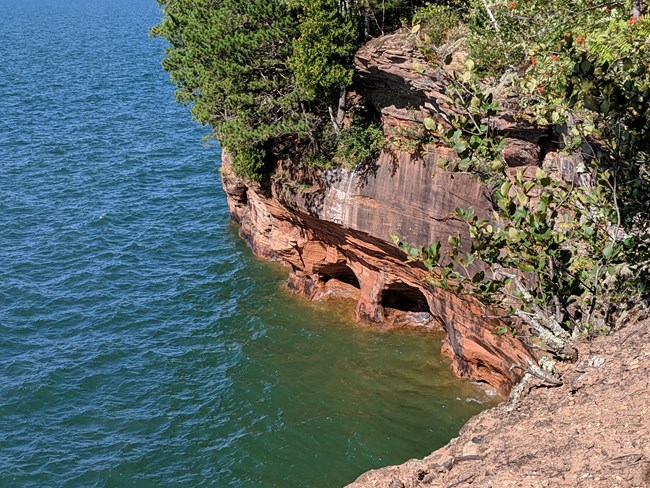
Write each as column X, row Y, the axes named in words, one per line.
column 335, row 234
column 336, row 239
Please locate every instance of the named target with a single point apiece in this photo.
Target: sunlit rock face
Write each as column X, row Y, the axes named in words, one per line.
column 338, row 246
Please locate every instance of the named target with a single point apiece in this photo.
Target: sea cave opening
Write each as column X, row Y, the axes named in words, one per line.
column 339, row 271
column 405, row 298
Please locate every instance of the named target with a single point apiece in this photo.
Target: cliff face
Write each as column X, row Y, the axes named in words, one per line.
column 335, row 235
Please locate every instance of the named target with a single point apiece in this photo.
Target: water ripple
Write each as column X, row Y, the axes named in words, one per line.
column 142, row 344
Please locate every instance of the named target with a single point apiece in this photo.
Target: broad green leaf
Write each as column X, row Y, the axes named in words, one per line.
column 505, row 188
column 429, row 124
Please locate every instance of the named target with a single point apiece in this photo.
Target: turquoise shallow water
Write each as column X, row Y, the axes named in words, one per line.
column 142, row 344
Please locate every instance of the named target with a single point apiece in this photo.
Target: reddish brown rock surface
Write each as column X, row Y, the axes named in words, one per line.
column 396, row 78
column 335, row 237
column 336, row 241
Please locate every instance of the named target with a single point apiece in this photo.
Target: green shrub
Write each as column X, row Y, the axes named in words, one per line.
column 437, row 22
column 563, row 258
column 359, row 144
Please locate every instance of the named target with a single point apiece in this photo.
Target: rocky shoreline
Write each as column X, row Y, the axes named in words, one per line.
column 357, row 260
column 334, row 230
column 592, row 431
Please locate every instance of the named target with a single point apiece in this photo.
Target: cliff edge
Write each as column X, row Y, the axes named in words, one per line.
column 334, row 232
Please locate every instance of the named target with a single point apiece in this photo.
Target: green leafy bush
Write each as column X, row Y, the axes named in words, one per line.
column 561, row 258
column 359, row 144
column 437, row 21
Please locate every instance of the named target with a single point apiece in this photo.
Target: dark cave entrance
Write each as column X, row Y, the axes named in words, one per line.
column 341, row 272
column 405, row 298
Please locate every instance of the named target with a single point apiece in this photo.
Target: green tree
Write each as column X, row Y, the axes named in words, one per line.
column 331, row 31
column 228, row 60
column 268, row 75
column 323, row 54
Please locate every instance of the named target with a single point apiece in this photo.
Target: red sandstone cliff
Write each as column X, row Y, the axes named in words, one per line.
column 335, row 235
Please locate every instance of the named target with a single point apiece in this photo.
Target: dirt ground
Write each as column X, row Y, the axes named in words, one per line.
column 592, row 431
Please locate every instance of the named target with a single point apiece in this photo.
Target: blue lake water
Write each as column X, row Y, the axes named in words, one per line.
column 142, row 344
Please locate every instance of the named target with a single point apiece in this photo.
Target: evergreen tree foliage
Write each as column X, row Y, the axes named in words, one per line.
column 266, row 74
column 228, row 60
column 322, row 55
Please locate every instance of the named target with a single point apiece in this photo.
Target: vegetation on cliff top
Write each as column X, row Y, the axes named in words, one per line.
column 272, row 77
column 267, row 75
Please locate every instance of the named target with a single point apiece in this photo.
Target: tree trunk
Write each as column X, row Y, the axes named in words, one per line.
column 337, row 120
